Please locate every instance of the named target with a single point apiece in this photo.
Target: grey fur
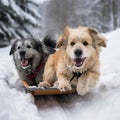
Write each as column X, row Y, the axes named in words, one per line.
column 34, row 52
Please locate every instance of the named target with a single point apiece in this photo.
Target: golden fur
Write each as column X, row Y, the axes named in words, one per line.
column 61, row 65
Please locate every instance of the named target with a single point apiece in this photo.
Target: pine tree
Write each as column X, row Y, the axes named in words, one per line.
column 16, row 18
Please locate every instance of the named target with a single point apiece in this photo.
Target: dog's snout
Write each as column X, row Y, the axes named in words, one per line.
column 78, row 52
column 22, row 53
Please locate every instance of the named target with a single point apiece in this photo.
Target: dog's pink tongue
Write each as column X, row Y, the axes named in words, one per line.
column 24, row 62
column 79, row 62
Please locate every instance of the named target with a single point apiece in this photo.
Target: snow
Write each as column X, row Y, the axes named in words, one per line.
column 4, row 27
column 5, row 2
column 39, row 1
column 101, row 103
column 22, row 13
column 35, row 11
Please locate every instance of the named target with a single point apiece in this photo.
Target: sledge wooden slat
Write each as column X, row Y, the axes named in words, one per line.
column 48, row 91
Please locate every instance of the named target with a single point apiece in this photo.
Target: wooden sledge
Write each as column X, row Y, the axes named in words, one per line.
column 49, row 91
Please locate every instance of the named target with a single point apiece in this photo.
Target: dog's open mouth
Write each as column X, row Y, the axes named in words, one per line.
column 79, row 61
column 25, row 62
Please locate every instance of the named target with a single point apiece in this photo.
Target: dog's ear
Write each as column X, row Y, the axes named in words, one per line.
column 12, row 50
column 62, row 40
column 40, row 46
column 98, row 39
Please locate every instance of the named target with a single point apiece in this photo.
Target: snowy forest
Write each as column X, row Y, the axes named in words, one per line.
column 35, row 18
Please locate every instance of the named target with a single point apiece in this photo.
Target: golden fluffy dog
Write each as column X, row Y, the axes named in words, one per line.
column 77, row 59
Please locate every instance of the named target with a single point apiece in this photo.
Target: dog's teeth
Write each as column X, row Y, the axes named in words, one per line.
column 26, row 67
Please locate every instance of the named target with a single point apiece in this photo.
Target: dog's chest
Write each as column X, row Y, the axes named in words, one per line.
column 32, row 77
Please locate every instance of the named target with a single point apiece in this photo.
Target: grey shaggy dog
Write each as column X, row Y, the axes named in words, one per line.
column 30, row 56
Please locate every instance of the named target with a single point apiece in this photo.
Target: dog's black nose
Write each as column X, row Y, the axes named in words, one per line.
column 22, row 53
column 78, row 52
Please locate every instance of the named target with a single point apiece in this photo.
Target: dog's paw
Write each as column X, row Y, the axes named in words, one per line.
column 63, row 85
column 82, row 90
column 44, row 85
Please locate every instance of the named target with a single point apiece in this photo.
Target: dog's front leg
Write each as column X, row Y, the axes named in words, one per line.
column 63, row 83
column 86, row 81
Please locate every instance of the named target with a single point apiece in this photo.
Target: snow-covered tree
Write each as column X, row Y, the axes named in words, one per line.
column 17, row 18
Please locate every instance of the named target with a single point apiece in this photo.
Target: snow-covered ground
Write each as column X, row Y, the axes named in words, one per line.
column 102, row 103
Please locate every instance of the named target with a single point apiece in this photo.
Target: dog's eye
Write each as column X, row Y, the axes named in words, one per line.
column 28, row 46
column 72, row 43
column 18, row 47
column 85, row 43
